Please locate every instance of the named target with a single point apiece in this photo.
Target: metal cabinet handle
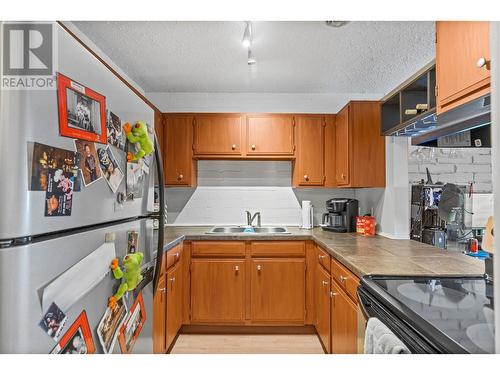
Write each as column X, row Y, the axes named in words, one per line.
column 325, row 283
column 180, row 177
column 333, row 294
column 236, row 268
column 482, row 63
column 162, row 290
column 343, row 278
column 253, row 147
column 343, row 176
column 177, row 255
column 172, row 280
column 321, row 257
column 259, row 268
column 233, row 147
column 306, row 177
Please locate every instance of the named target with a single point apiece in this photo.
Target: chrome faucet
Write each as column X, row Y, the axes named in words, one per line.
column 251, row 218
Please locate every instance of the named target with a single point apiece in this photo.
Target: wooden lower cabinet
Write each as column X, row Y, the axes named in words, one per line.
column 323, row 301
column 160, row 318
column 344, row 315
column 218, row 291
column 278, row 291
column 173, row 284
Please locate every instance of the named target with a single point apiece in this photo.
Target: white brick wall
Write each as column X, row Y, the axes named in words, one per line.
column 462, row 166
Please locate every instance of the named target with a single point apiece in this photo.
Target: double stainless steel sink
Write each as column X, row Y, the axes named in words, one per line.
column 247, row 230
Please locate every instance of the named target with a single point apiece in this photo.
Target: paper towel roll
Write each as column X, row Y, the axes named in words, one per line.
column 307, row 217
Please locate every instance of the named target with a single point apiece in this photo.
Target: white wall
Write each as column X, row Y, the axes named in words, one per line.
column 463, row 166
column 254, row 102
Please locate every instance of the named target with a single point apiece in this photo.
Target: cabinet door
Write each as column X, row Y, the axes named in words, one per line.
column 310, row 140
column 270, row 135
column 217, row 291
column 159, row 317
column 178, row 154
column 174, row 303
column 277, row 291
column 217, row 134
column 459, row 46
column 344, row 322
column 342, row 147
column 323, row 306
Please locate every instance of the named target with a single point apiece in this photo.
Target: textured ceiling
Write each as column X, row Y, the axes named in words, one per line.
column 292, row 57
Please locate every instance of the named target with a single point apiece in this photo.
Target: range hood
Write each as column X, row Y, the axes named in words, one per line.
column 467, row 125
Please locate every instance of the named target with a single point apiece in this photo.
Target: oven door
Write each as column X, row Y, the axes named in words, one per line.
column 372, row 307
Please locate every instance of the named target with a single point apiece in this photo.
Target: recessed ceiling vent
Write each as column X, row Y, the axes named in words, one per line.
column 336, row 24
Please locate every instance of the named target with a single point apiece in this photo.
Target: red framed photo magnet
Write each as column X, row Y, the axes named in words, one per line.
column 77, row 339
column 130, row 330
column 82, row 111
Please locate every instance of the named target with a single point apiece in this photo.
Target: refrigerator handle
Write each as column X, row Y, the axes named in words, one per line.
column 161, row 218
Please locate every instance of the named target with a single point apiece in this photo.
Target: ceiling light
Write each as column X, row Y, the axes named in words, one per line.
column 251, row 59
column 247, row 36
column 336, row 23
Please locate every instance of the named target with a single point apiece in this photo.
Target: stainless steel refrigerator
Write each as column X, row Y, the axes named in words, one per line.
column 36, row 250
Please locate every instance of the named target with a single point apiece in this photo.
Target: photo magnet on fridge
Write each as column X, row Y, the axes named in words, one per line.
column 130, row 330
column 109, row 167
column 46, row 157
column 82, row 111
column 88, row 161
column 115, row 132
column 108, row 327
column 132, row 241
column 59, row 194
column 77, row 339
column 53, row 321
column 135, row 180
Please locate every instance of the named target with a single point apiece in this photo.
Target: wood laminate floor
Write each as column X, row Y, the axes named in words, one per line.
column 247, row 344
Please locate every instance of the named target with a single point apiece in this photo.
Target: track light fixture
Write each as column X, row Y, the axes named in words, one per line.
column 247, row 35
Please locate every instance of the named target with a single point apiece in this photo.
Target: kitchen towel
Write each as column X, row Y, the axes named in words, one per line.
column 78, row 280
column 379, row 339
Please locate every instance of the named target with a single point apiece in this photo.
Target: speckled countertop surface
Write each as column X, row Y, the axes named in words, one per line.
column 361, row 255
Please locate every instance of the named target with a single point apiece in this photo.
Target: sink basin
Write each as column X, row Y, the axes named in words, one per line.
column 241, row 230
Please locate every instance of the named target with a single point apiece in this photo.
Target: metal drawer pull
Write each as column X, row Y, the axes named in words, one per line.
column 177, row 255
column 253, row 147
column 343, row 278
column 236, row 268
column 259, row 268
column 325, row 282
column 233, row 147
column 321, row 257
column 162, row 290
column 333, row 294
column 172, row 280
column 483, row 63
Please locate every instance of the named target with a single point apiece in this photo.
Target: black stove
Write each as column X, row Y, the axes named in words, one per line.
column 433, row 315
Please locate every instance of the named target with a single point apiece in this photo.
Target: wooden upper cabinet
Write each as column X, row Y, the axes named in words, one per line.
column 344, row 321
column 270, row 135
column 217, row 291
column 179, row 168
column 218, row 134
column 460, row 76
column 342, row 147
column 309, row 169
column 173, row 284
column 359, row 147
column 278, row 291
column 330, row 147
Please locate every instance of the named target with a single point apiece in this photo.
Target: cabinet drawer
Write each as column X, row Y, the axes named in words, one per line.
column 278, row 249
column 173, row 255
column 345, row 279
column 218, row 249
column 323, row 258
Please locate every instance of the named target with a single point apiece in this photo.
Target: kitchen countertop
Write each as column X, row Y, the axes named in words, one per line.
column 361, row 255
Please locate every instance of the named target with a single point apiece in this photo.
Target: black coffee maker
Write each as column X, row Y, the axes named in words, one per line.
column 341, row 215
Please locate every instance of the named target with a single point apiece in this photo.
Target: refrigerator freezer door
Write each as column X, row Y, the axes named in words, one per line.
column 29, row 116
column 26, row 270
